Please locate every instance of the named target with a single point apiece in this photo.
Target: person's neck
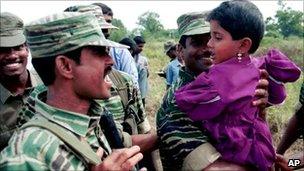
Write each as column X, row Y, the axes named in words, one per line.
column 63, row 97
column 16, row 84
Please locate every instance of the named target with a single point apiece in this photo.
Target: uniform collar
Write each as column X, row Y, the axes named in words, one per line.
column 34, row 78
column 185, row 75
column 4, row 94
column 75, row 122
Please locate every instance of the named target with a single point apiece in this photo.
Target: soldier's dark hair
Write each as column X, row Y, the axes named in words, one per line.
column 45, row 66
column 139, row 40
column 106, row 10
column 129, row 42
column 241, row 18
column 182, row 40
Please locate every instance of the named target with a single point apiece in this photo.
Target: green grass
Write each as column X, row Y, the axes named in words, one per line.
column 277, row 116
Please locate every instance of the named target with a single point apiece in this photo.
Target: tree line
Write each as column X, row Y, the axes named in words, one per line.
column 286, row 22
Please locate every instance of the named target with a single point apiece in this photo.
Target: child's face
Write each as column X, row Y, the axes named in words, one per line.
column 221, row 43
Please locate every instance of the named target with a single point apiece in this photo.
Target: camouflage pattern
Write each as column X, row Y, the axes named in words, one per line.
column 168, row 45
column 115, row 106
column 10, row 105
column 11, row 30
column 94, row 9
column 193, row 23
column 60, row 33
column 35, row 148
column 179, row 135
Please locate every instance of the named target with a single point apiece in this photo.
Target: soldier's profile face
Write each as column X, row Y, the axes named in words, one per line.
column 90, row 75
column 196, row 53
column 13, row 60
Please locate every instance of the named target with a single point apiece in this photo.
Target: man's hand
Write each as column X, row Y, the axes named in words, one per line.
column 122, row 159
column 261, row 93
column 281, row 164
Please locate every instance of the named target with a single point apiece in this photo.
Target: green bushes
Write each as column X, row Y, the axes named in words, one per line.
column 292, row 46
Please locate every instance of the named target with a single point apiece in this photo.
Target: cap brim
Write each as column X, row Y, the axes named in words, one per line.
column 11, row 41
column 167, row 50
column 107, row 43
column 199, row 30
column 107, row 26
column 118, row 45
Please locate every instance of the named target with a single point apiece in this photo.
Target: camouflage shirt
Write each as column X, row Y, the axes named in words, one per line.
column 10, row 104
column 115, row 106
column 35, row 148
column 179, row 135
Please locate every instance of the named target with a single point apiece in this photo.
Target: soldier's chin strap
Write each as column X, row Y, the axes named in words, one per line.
column 82, row 148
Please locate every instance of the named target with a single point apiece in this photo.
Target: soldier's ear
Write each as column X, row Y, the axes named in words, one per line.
column 180, row 51
column 63, row 66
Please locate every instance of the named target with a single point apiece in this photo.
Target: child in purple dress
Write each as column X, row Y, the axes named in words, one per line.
column 221, row 98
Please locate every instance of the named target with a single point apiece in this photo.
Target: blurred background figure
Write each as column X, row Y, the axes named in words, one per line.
column 132, row 45
column 174, row 65
column 142, row 67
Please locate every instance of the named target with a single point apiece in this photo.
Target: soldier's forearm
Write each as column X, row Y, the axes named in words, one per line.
column 290, row 135
column 146, row 142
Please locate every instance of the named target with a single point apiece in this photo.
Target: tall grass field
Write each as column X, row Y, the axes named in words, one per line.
column 277, row 116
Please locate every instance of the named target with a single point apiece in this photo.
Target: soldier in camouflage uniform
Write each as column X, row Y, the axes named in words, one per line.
column 183, row 146
column 129, row 126
column 70, row 55
column 15, row 80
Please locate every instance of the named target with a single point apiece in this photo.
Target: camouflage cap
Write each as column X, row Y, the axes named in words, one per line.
column 96, row 10
column 11, row 30
column 193, row 23
column 168, row 45
column 60, row 33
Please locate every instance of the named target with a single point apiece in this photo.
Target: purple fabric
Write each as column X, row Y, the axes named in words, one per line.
column 280, row 69
column 222, row 100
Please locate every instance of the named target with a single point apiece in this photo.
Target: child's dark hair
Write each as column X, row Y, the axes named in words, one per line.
column 241, row 18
